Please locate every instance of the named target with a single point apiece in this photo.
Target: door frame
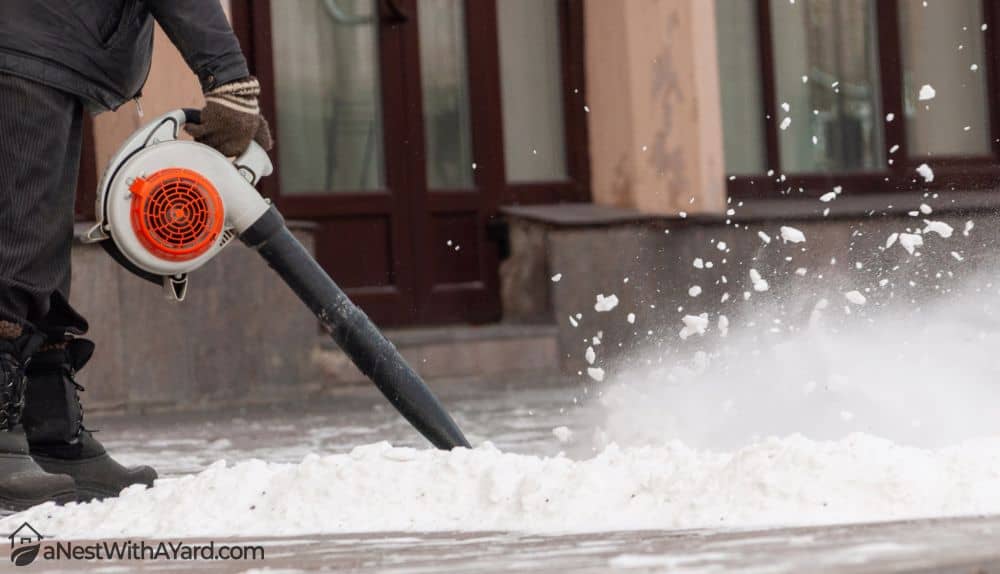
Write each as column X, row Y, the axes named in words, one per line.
column 419, row 301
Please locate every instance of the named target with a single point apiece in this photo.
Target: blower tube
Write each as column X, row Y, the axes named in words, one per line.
column 352, row 330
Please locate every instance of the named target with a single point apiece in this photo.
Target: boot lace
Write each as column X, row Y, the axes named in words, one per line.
column 12, row 385
column 77, row 389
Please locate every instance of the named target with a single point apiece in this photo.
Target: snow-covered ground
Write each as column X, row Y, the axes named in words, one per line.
column 803, row 410
column 877, row 419
column 788, row 481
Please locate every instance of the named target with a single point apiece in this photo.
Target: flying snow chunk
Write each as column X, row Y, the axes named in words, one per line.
column 723, row 325
column 785, row 123
column 562, row 434
column 699, row 263
column 801, row 271
column 694, row 291
column 926, row 172
column 764, row 237
column 828, row 196
column 891, row 240
column 926, row 209
column 573, row 321
column 694, row 325
column 590, row 355
column 759, row 283
column 630, row 318
column 927, row 92
column 557, row 277
column 856, row 297
column 910, row 242
column 792, row 235
column 595, row 373
column 957, row 256
column 605, row 304
column 968, row 227
column 939, row 227
column 721, row 246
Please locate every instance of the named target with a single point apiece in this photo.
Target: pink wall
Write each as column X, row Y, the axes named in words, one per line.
column 655, row 115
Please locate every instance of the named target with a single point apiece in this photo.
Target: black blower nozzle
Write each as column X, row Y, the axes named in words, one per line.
column 353, row 331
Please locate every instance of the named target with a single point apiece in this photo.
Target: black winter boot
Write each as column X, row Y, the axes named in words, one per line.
column 53, row 420
column 23, row 483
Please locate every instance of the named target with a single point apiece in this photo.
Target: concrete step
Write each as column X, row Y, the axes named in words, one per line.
column 459, row 351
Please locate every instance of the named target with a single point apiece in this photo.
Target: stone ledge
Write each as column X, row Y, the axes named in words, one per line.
column 865, row 205
column 578, row 215
column 404, row 338
column 584, row 215
column 80, row 228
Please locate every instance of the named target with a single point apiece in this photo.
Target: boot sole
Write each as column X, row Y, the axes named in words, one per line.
column 86, row 494
column 11, row 505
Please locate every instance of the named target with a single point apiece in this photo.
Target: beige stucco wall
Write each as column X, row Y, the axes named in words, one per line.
column 655, row 112
column 170, row 85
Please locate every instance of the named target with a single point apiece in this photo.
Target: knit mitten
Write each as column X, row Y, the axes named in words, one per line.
column 231, row 119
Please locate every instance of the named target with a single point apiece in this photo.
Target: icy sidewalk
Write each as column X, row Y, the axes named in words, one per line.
column 294, row 471
column 561, row 513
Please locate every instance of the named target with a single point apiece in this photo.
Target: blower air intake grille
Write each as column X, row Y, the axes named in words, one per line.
column 176, row 213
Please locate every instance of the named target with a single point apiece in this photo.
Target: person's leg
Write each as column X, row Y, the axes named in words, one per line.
column 37, row 197
column 39, row 143
column 40, row 139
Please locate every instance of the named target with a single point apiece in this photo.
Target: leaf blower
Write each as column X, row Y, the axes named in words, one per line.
column 166, row 206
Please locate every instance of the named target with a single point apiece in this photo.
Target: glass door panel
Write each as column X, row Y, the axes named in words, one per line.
column 328, row 96
column 445, row 87
column 951, row 59
column 531, row 79
column 827, row 83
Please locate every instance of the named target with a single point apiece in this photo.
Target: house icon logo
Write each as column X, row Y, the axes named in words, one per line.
column 24, row 545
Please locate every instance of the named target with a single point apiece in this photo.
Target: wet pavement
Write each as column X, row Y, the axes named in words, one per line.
column 516, row 418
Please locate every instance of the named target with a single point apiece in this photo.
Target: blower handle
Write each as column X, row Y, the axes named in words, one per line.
column 192, row 115
column 253, row 163
column 353, row 331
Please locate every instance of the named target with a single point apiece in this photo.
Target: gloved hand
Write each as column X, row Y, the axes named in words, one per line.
column 231, row 119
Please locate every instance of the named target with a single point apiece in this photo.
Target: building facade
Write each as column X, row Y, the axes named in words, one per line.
column 451, row 156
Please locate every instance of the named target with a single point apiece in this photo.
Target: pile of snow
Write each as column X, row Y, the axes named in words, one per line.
column 380, row 488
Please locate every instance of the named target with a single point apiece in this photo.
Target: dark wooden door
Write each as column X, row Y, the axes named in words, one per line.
column 385, row 143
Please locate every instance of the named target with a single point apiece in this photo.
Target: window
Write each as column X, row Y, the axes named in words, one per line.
column 531, row 80
column 328, row 96
column 826, row 86
column 742, row 97
column 856, row 93
column 445, row 82
column 952, row 58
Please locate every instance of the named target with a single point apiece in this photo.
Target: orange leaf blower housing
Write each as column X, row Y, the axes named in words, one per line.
column 176, row 213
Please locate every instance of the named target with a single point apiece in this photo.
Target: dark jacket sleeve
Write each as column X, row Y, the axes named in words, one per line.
column 202, row 33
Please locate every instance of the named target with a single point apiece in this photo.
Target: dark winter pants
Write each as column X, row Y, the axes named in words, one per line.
column 40, row 138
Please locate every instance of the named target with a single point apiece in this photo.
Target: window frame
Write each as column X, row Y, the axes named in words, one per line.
column 252, row 17
column 952, row 172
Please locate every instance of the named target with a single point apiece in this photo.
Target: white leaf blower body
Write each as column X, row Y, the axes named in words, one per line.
column 171, row 205
column 166, row 206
